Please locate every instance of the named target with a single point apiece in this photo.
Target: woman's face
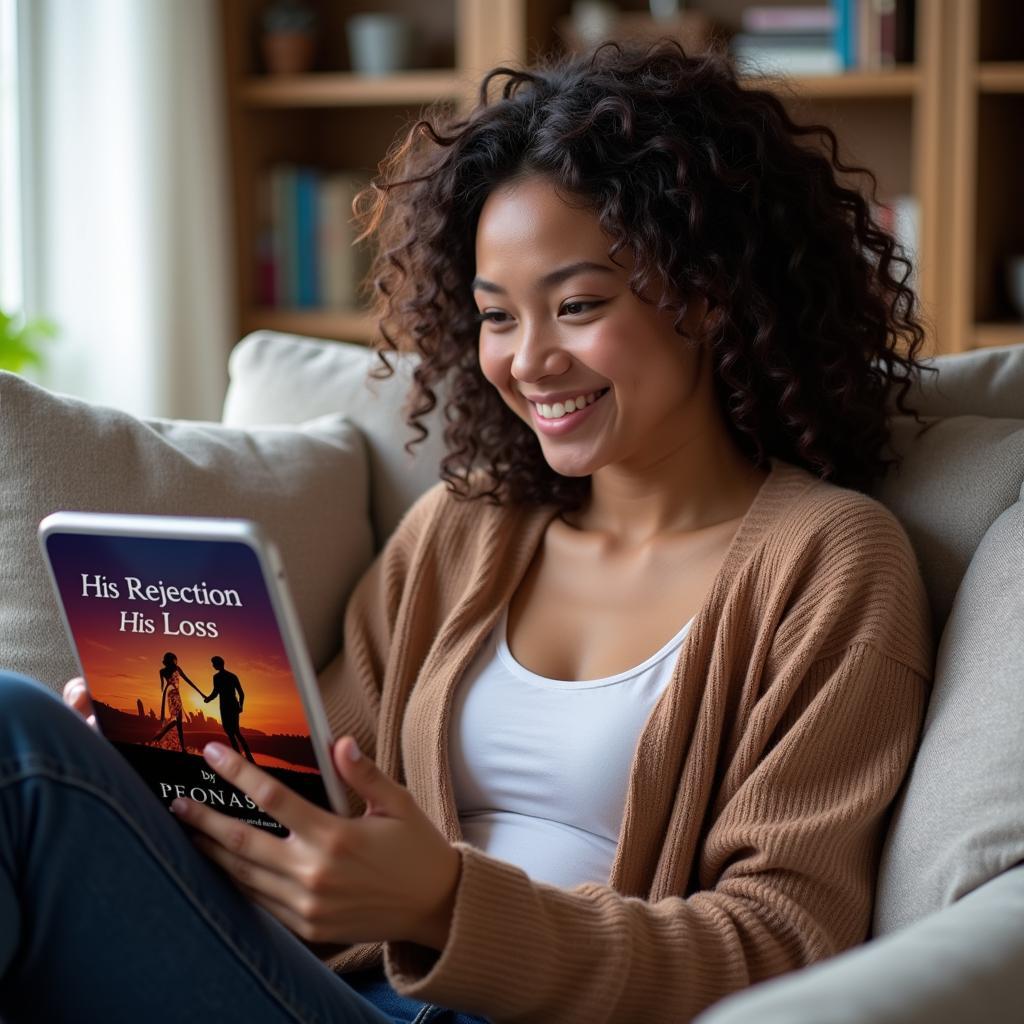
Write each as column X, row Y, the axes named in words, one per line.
column 560, row 321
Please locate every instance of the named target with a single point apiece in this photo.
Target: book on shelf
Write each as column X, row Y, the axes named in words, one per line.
column 267, row 284
column 305, row 257
column 791, row 53
column 824, row 39
column 284, row 234
column 342, row 265
column 307, row 249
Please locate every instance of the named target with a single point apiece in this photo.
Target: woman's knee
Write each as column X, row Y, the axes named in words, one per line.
column 26, row 700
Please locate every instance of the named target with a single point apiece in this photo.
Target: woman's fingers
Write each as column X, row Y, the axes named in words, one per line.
column 250, row 874
column 78, row 698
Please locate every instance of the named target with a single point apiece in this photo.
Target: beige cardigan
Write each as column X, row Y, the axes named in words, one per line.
column 760, row 783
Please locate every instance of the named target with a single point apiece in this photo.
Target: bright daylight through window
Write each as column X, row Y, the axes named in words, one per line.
column 11, row 283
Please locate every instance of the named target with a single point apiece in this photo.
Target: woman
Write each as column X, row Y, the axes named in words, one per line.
column 637, row 681
column 171, row 674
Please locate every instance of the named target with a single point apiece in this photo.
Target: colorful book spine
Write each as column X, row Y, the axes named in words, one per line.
column 877, row 33
column 266, row 269
column 885, row 13
column 342, row 265
column 846, row 31
column 307, row 274
column 284, row 233
column 792, row 18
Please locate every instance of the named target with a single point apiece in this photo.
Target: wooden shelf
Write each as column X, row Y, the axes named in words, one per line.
column 984, row 150
column 894, row 82
column 996, row 335
column 347, row 89
column 1000, row 76
column 943, row 129
column 339, row 324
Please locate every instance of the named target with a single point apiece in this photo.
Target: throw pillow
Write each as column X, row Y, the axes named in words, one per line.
column 982, row 382
column 306, row 485
column 959, row 820
column 957, row 477
column 282, row 378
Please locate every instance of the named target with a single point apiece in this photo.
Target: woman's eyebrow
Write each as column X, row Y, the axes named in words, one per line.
column 556, row 277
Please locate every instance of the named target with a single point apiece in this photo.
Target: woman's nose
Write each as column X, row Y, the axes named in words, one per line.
column 538, row 353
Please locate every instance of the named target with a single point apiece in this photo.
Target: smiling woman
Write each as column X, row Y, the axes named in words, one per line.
column 636, row 682
column 696, row 203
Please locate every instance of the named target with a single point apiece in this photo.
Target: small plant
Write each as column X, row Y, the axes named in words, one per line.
column 289, row 37
column 22, row 341
column 287, row 16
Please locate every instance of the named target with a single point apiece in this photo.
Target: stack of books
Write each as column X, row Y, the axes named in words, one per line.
column 305, row 253
column 844, row 34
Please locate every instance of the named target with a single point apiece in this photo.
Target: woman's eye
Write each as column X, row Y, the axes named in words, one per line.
column 491, row 316
column 576, row 307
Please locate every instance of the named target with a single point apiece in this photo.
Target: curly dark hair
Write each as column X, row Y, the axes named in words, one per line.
column 708, row 183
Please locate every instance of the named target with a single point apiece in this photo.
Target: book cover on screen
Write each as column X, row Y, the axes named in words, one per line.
column 179, row 645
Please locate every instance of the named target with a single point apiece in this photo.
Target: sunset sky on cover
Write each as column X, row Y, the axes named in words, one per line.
column 121, row 666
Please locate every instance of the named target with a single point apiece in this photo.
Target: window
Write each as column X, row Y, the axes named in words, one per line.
column 12, row 290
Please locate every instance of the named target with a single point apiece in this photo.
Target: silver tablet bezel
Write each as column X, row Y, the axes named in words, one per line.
column 244, row 531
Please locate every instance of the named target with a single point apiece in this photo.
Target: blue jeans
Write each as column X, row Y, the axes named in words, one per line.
column 108, row 912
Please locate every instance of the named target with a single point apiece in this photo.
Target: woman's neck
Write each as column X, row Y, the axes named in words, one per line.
column 698, row 487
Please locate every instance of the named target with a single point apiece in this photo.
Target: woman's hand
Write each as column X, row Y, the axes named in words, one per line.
column 78, row 698
column 389, row 874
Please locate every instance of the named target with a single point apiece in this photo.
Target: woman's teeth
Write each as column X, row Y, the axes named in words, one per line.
column 560, row 409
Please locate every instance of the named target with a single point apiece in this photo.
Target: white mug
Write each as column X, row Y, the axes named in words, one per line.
column 379, row 44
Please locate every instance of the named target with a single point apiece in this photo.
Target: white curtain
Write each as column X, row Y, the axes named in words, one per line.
column 128, row 207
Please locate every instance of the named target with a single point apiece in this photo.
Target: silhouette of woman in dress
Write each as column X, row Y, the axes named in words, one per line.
column 171, row 675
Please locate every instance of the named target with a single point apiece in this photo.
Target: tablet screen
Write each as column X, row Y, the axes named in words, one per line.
column 179, row 644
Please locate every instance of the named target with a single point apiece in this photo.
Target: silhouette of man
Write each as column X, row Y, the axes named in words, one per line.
column 225, row 684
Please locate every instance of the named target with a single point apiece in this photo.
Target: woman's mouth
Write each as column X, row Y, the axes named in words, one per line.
column 559, row 421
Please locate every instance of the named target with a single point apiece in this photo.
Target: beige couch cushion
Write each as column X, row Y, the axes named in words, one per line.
column 282, row 378
column 958, row 476
column 984, row 382
column 959, row 820
column 306, row 485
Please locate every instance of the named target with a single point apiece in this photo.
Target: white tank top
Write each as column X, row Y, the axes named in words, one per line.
column 540, row 766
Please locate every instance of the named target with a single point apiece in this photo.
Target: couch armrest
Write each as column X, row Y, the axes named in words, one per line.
column 965, row 962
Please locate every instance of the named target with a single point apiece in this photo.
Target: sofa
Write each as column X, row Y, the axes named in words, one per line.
column 314, row 449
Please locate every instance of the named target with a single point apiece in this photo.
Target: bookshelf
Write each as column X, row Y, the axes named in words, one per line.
column 987, row 151
column 943, row 129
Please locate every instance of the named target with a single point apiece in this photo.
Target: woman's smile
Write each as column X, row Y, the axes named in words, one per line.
column 560, row 421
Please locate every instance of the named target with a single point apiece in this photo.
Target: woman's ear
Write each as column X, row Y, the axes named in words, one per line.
column 702, row 316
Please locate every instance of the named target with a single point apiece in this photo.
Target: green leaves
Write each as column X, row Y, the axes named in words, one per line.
column 22, row 341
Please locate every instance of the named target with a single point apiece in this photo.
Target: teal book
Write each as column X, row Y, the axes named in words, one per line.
column 307, row 189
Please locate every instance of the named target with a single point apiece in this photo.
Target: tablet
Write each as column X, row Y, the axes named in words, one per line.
column 185, row 633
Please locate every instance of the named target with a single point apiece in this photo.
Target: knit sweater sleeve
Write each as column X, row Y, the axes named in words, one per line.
column 351, row 683
column 786, row 870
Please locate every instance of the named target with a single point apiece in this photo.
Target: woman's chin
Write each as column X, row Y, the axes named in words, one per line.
column 571, row 468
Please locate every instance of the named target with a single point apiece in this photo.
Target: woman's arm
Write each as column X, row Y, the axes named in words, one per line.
column 194, row 687
column 190, row 683
column 352, row 684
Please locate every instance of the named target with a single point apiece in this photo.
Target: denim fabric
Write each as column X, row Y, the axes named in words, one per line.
column 108, row 912
column 373, row 985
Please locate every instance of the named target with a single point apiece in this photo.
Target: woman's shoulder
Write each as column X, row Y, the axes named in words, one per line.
column 826, row 519
column 440, row 516
column 844, row 562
